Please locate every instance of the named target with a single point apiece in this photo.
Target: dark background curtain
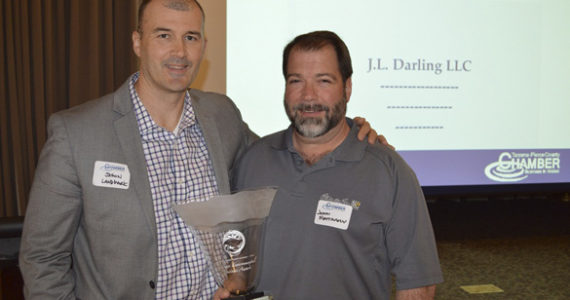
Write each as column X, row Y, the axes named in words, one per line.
column 54, row 54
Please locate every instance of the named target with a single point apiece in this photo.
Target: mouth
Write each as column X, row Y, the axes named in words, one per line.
column 177, row 67
column 311, row 108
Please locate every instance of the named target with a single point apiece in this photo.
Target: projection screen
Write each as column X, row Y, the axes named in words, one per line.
column 469, row 92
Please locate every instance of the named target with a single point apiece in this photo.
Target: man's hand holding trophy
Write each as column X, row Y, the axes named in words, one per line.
column 229, row 229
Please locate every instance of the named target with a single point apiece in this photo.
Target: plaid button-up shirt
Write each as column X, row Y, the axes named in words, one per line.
column 179, row 171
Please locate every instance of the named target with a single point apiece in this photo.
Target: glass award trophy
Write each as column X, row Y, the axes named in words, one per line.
column 229, row 229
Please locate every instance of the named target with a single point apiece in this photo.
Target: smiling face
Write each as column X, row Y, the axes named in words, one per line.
column 170, row 44
column 315, row 94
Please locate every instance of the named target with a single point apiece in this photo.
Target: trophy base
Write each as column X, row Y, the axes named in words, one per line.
column 251, row 296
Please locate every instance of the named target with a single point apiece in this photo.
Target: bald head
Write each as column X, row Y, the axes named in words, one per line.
column 180, row 5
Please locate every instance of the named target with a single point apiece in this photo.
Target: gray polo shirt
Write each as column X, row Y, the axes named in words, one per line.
column 339, row 228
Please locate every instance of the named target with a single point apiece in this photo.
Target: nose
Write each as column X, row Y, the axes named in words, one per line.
column 179, row 48
column 308, row 92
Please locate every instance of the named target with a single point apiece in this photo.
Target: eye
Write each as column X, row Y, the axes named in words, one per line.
column 191, row 38
column 293, row 80
column 163, row 35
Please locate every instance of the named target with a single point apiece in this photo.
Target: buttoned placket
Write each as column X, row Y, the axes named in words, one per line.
column 328, row 161
column 179, row 154
column 178, row 149
column 305, row 170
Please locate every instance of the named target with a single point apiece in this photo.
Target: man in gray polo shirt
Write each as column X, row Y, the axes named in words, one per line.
column 347, row 214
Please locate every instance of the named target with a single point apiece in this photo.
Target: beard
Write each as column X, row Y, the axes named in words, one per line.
column 312, row 127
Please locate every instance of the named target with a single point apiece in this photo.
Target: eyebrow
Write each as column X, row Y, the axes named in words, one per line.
column 326, row 74
column 158, row 29
column 331, row 75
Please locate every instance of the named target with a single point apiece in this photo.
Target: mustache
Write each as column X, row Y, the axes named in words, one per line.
column 178, row 61
column 311, row 107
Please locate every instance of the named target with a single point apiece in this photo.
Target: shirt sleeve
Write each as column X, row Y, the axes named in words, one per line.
column 409, row 234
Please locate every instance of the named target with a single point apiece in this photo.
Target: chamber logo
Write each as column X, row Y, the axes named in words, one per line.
column 513, row 166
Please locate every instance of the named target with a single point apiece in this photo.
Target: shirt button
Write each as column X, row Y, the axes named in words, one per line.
column 151, row 283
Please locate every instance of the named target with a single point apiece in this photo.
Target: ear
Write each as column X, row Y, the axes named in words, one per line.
column 348, row 88
column 136, row 37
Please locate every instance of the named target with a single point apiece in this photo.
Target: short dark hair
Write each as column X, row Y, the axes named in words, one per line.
column 316, row 40
column 144, row 3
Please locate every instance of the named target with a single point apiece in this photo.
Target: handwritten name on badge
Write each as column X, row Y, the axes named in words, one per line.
column 333, row 214
column 111, row 175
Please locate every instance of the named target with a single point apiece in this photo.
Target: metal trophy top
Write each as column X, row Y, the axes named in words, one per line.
column 229, row 230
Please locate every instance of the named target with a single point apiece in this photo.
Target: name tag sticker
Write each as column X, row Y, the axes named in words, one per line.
column 111, row 175
column 333, row 214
